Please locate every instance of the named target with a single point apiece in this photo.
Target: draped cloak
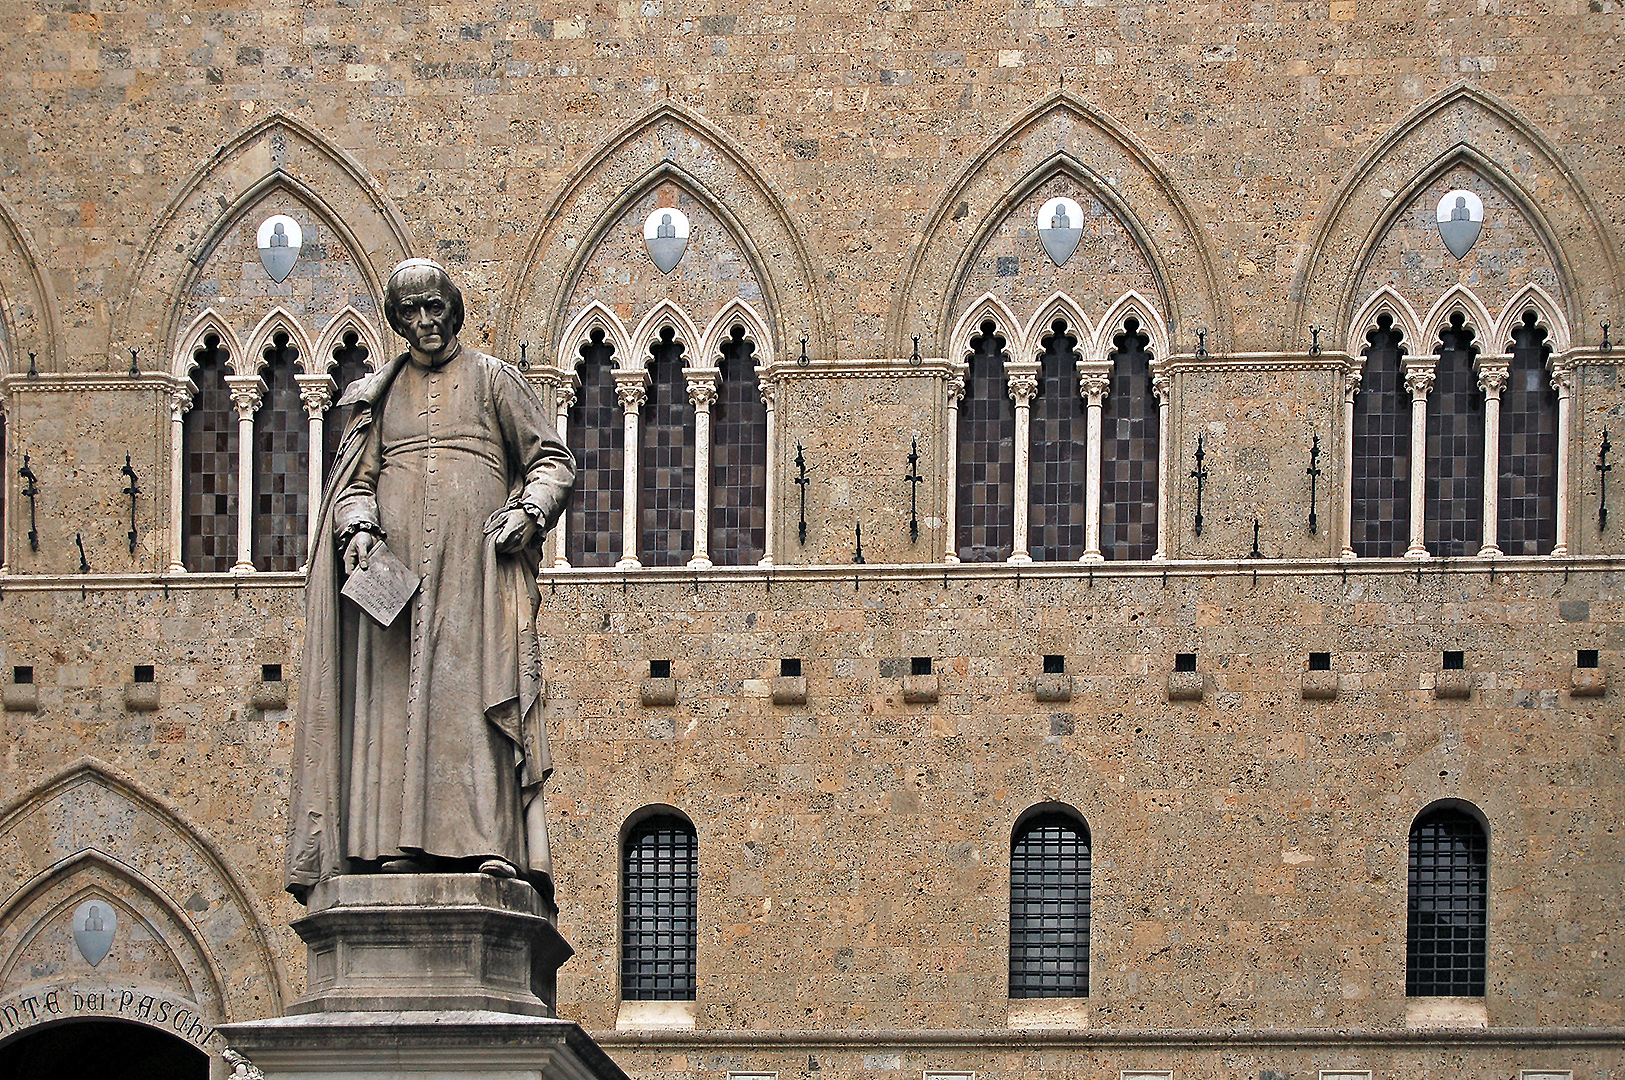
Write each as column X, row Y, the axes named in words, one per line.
column 427, row 736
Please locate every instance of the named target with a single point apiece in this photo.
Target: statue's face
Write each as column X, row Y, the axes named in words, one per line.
column 424, row 313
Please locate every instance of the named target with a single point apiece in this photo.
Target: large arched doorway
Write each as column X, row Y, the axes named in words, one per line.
column 111, row 1049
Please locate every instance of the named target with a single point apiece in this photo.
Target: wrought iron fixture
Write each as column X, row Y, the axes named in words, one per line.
column 1314, row 341
column 857, row 556
column 27, row 473
column 84, row 563
column 1606, row 346
column 1604, row 467
column 135, row 368
column 1255, row 553
column 914, row 479
column 915, row 359
column 803, row 361
column 132, row 490
column 33, row 368
column 1201, row 344
column 1314, row 481
column 524, row 361
column 802, row 482
column 1199, row 474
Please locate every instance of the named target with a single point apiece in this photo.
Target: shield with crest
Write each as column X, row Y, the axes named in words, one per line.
column 279, row 238
column 665, row 234
column 1461, row 218
column 1060, row 227
column 94, row 923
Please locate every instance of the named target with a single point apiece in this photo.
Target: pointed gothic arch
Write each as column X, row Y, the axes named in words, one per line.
column 1458, row 299
column 986, row 307
column 321, row 361
column 29, row 320
column 1058, row 306
column 664, row 315
column 192, row 338
column 594, row 316
column 1385, row 301
column 1547, row 313
column 720, row 328
column 251, row 361
column 1131, row 305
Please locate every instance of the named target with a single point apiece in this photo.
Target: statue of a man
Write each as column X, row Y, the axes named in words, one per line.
column 420, row 745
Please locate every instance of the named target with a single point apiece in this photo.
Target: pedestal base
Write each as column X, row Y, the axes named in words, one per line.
column 392, row 943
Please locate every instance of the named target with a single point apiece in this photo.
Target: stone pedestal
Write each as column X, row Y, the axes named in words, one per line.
column 449, row 976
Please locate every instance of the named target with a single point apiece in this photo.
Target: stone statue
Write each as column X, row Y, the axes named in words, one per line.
column 420, row 746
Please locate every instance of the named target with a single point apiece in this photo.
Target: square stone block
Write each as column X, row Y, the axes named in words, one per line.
column 141, row 696
column 20, row 697
column 1186, row 685
column 1588, row 682
column 920, row 689
column 789, row 690
column 1052, row 687
column 1452, row 684
column 658, row 692
column 1319, row 685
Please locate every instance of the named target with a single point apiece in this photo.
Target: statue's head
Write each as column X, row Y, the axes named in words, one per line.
column 412, row 281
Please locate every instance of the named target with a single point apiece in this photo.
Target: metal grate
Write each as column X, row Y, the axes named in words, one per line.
column 1526, row 518
column 666, row 461
column 658, row 911
column 593, row 526
column 1049, row 908
column 987, row 455
column 209, row 481
column 1447, row 910
column 1055, row 531
column 1380, row 487
column 281, row 463
column 1128, row 454
column 1453, row 493
column 738, row 459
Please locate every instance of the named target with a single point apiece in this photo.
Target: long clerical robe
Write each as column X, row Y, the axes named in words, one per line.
column 426, row 737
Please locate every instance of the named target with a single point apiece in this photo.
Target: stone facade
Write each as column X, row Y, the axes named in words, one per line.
column 1258, row 189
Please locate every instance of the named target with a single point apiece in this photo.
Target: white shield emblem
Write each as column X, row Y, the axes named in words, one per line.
column 665, row 234
column 279, row 240
column 1460, row 217
column 1060, row 227
column 93, row 926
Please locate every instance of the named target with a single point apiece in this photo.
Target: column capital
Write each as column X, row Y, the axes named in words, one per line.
column 1563, row 379
column 1492, row 379
column 956, row 388
column 1419, row 380
column 1094, row 380
column 632, row 389
column 565, row 396
column 1353, row 376
column 703, row 384
column 315, row 393
column 1021, row 380
column 180, row 398
column 247, row 391
column 769, row 389
column 1162, row 385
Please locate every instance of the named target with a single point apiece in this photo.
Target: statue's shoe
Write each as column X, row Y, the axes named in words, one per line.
column 401, row 866
column 498, row 868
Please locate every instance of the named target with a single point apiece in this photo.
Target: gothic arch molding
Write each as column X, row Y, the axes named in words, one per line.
column 1058, row 135
column 92, row 812
column 29, row 321
column 668, row 144
column 278, row 152
column 1477, row 131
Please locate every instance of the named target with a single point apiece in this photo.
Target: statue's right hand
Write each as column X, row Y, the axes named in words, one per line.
column 361, row 545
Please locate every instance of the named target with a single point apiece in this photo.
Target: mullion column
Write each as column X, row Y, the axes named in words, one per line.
column 1351, row 387
column 1162, row 385
column 770, row 399
column 1022, row 380
column 564, row 399
column 315, row 394
column 247, row 391
column 1094, row 382
column 1563, row 380
column 180, row 401
column 1492, row 379
column 956, row 392
column 702, row 394
column 631, row 390
column 1419, row 380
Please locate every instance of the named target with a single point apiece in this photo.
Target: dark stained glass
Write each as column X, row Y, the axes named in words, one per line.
column 1453, row 495
column 659, row 910
column 666, row 460
column 1128, row 452
column 1380, row 484
column 1447, row 907
column 738, row 459
column 1049, row 908
column 209, row 476
column 281, row 463
column 987, row 455
column 1526, row 518
column 349, row 364
column 597, row 436
column 1055, row 522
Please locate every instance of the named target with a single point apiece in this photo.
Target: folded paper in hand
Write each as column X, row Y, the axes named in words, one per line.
column 383, row 586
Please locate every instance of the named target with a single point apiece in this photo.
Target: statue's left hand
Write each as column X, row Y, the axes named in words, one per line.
column 516, row 531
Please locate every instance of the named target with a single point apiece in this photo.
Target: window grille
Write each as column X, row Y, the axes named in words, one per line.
column 987, row 455
column 1380, row 488
column 666, row 464
column 738, row 459
column 658, row 911
column 1055, row 531
column 1049, row 908
column 1526, row 518
column 598, row 437
column 209, row 480
column 1128, row 441
column 1447, row 909
column 1453, row 493
column 281, row 463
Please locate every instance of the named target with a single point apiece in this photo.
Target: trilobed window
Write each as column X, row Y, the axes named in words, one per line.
column 1526, row 519
column 1453, row 501
column 1128, row 456
column 1049, row 907
column 666, row 462
column 598, row 438
column 1060, row 437
column 281, row 462
column 659, row 890
column 209, row 466
column 987, row 457
column 348, row 363
column 1447, row 907
column 1380, row 486
column 738, row 458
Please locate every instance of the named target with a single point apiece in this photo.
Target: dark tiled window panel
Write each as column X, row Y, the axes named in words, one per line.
column 1453, row 495
column 987, row 455
column 658, row 911
column 1049, row 909
column 1526, row 514
column 209, row 479
column 1128, row 452
column 281, row 464
column 1380, row 485
column 349, row 364
column 1447, row 906
column 4, row 463
column 666, row 462
column 1055, row 525
column 738, row 459
column 598, row 436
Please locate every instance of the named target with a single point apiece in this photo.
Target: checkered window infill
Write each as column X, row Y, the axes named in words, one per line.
column 209, row 480
column 598, row 436
column 1447, row 909
column 1526, row 513
column 738, row 459
column 1453, row 495
column 1049, row 908
column 1128, row 452
column 4, row 464
column 659, row 914
column 349, row 364
column 1055, row 525
column 281, row 464
column 666, row 460
column 987, row 455
column 1380, row 484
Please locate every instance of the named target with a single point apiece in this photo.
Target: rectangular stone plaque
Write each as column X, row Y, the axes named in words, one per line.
column 384, row 586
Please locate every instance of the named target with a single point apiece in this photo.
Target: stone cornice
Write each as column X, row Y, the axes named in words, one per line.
column 90, row 382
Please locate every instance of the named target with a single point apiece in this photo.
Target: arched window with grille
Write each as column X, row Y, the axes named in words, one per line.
column 1380, row 486
column 1055, row 530
column 1453, row 500
column 281, row 463
column 738, row 458
column 1049, row 905
column 987, row 460
column 659, row 908
column 596, row 434
column 1526, row 519
column 209, row 472
column 1128, row 440
column 666, row 459
column 1447, row 906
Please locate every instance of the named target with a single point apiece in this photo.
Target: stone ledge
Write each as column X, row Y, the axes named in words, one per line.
column 1053, row 687
column 1588, row 682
